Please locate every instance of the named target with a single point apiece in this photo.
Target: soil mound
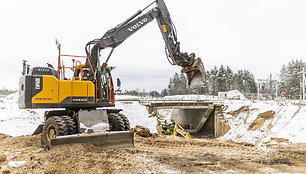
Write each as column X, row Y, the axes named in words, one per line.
column 257, row 123
column 260, row 120
column 3, row 136
column 267, row 115
column 240, row 110
column 142, row 131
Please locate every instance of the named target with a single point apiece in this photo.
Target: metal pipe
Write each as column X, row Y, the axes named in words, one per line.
column 111, row 52
column 131, row 18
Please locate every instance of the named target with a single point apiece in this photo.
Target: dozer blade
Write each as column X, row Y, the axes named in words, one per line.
column 39, row 129
column 116, row 139
column 196, row 73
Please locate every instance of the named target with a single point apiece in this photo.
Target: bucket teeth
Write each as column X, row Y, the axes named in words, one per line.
column 196, row 73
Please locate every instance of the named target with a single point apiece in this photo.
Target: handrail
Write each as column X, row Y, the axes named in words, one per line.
column 110, row 96
column 163, row 101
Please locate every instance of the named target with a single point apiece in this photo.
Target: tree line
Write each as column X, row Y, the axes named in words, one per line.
column 222, row 79
column 218, row 79
column 290, row 78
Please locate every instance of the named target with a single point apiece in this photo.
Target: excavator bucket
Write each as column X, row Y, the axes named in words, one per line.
column 116, row 139
column 196, row 73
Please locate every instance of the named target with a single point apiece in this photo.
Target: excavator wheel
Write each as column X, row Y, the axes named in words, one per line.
column 53, row 127
column 116, row 123
column 126, row 121
column 71, row 125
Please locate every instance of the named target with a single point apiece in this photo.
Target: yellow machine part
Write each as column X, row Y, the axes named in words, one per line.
column 80, row 89
column 55, row 91
column 179, row 129
column 49, row 93
column 65, row 87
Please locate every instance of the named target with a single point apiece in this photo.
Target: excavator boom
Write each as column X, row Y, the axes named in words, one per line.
column 191, row 65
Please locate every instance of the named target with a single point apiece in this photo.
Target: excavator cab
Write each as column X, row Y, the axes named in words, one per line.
column 107, row 88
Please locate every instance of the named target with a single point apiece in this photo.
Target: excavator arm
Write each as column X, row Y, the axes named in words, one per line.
column 192, row 66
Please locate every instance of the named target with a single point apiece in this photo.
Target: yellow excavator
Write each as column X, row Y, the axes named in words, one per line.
column 83, row 102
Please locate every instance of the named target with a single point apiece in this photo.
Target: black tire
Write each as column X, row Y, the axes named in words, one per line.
column 71, row 125
column 53, row 127
column 126, row 121
column 116, row 123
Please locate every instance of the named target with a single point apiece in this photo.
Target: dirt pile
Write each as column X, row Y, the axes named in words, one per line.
column 267, row 115
column 239, row 111
column 260, row 120
column 163, row 154
column 278, row 141
column 142, row 131
column 3, row 136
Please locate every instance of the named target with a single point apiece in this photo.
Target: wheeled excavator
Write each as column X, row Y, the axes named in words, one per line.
column 87, row 99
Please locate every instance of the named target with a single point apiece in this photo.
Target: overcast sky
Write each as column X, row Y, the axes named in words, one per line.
column 258, row 35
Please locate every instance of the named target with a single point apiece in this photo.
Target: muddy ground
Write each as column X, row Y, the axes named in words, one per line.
column 150, row 155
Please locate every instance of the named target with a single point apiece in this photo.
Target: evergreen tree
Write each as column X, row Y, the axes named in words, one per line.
column 228, row 79
column 221, row 79
column 289, row 78
column 213, row 86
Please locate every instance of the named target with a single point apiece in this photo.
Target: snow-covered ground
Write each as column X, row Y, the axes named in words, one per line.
column 191, row 97
column 138, row 115
column 17, row 122
column 281, row 121
column 286, row 121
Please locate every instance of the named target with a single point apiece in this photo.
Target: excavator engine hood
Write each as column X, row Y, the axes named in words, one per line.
column 196, row 73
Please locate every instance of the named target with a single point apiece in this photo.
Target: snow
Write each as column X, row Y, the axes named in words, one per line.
column 233, row 94
column 288, row 122
column 16, row 163
column 191, row 97
column 97, row 128
column 138, row 115
column 126, row 97
column 15, row 121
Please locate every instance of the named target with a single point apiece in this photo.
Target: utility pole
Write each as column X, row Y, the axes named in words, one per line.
column 301, row 82
column 276, row 88
column 304, row 83
column 270, row 84
column 258, row 89
column 271, row 94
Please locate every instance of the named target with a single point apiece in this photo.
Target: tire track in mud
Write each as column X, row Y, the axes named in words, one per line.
column 161, row 154
column 135, row 161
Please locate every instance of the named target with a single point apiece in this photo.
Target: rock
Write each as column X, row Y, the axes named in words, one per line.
column 2, row 157
column 142, row 131
column 6, row 172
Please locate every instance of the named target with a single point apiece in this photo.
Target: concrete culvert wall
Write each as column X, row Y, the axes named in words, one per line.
column 188, row 118
column 201, row 122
